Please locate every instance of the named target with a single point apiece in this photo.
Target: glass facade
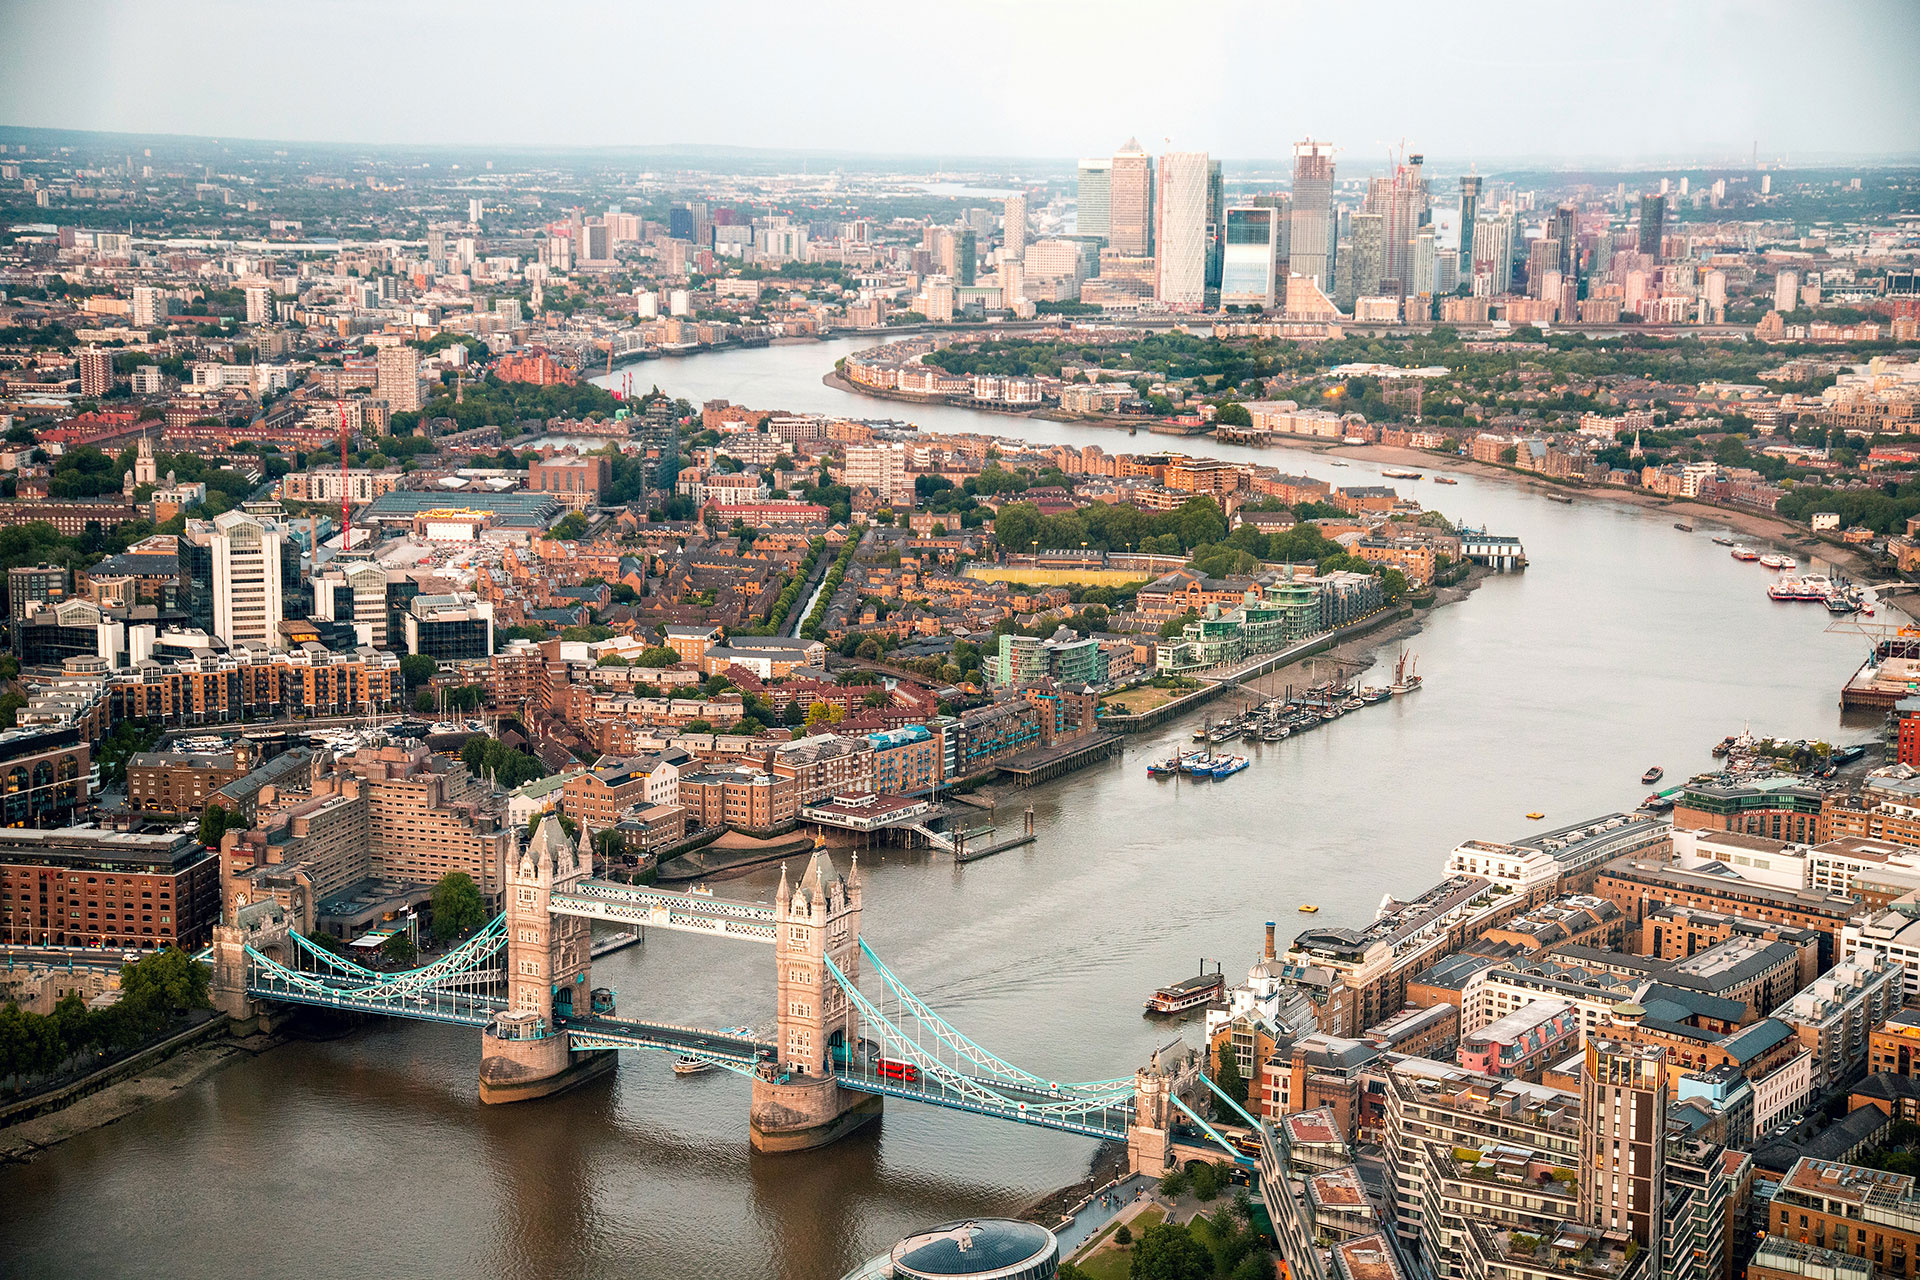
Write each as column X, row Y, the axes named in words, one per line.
column 1247, row 271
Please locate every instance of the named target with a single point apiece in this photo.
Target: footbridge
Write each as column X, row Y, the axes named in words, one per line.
column 848, row 1031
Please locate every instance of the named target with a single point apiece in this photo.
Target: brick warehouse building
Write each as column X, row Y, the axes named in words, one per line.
column 43, row 776
column 81, row 887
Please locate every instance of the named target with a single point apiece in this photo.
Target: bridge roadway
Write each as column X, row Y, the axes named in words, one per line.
column 461, row 1008
column 599, row 1031
column 665, row 909
column 1093, row 1122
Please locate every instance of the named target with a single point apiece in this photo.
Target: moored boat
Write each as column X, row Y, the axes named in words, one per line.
column 1722, row 542
column 1652, row 776
column 1684, row 528
column 1747, row 553
column 1401, row 475
column 1445, row 480
column 1189, row 993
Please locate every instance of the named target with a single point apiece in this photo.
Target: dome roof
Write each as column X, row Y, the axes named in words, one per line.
column 973, row 1247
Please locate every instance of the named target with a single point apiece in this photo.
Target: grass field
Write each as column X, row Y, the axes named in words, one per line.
column 1143, row 699
column 1110, row 1261
column 1056, row 577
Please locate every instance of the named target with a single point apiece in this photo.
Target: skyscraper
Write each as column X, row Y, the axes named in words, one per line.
column 1786, row 291
column 1310, row 238
column 1180, row 235
column 1400, row 200
column 1623, row 1127
column 1130, row 202
column 397, row 374
column 1091, row 216
column 1013, row 242
column 1216, row 223
column 1249, row 256
column 1493, row 250
column 966, row 256
column 1469, row 213
column 1653, row 213
column 1362, row 264
column 96, row 372
column 1564, row 229
column 246, row 579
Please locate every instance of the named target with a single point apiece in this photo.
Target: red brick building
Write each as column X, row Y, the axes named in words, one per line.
column 534, row 365
column 82, row 887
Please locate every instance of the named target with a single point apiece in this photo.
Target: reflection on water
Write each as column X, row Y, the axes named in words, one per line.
column 1628, row 643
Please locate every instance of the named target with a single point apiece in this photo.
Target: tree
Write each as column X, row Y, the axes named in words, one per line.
column 1228, row 1077
column 1510, row 454
column 1232, row 414
column 1206, row 1182
column 215, row 821
column 571, row 528
column 167, row 982
column 399, row 949
column 1123, row 1235
column 656, row 656
column 417, row 668
column 458, row 908
column 1168, row 1251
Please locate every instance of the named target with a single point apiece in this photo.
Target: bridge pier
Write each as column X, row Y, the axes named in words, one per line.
column 521, row 1061
column 799, row 1115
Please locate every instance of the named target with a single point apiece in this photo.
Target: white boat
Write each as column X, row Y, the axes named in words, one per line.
column 687, row 1065
column 1774, row 560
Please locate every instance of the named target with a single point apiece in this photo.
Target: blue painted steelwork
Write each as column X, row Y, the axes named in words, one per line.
column 1115, row 1127
column 1222, row 1095
column 955, row 1073
column 1213, row 1133
column 964, row 1047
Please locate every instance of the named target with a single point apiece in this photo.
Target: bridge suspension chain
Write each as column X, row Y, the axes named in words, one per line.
column 1028, row 1097
column 924, row 1014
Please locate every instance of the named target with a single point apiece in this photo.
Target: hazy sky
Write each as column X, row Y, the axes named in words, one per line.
column 1465, row 81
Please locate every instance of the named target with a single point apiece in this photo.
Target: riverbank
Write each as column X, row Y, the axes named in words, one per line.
column 840, row 382
column 31, row 1139
column 1751, row 524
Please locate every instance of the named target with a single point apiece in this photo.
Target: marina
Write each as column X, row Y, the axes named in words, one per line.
column 1280, row 718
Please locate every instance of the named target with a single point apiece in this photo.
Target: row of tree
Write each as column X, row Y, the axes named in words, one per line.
column 155, row 992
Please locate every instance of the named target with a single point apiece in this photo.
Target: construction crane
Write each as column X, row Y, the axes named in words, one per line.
column 345, row 520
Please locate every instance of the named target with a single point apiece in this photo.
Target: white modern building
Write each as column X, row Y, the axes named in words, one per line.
column 1181, row 236
column 246, row 580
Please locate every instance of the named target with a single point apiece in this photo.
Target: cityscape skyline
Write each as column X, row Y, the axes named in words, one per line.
column 1689, row 93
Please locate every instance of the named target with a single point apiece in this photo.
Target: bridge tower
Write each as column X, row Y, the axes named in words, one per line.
column 1150, row 1136
column 801, row 1105
column 524, row 1055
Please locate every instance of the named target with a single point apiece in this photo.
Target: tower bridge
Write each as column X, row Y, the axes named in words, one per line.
column 848, row 1033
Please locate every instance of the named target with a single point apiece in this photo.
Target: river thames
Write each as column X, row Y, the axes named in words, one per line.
column 1626, row 643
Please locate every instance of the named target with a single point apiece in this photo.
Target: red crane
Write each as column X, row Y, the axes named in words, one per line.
column 344, row 521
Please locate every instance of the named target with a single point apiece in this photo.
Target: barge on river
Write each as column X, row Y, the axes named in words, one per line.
column 1189, row 993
